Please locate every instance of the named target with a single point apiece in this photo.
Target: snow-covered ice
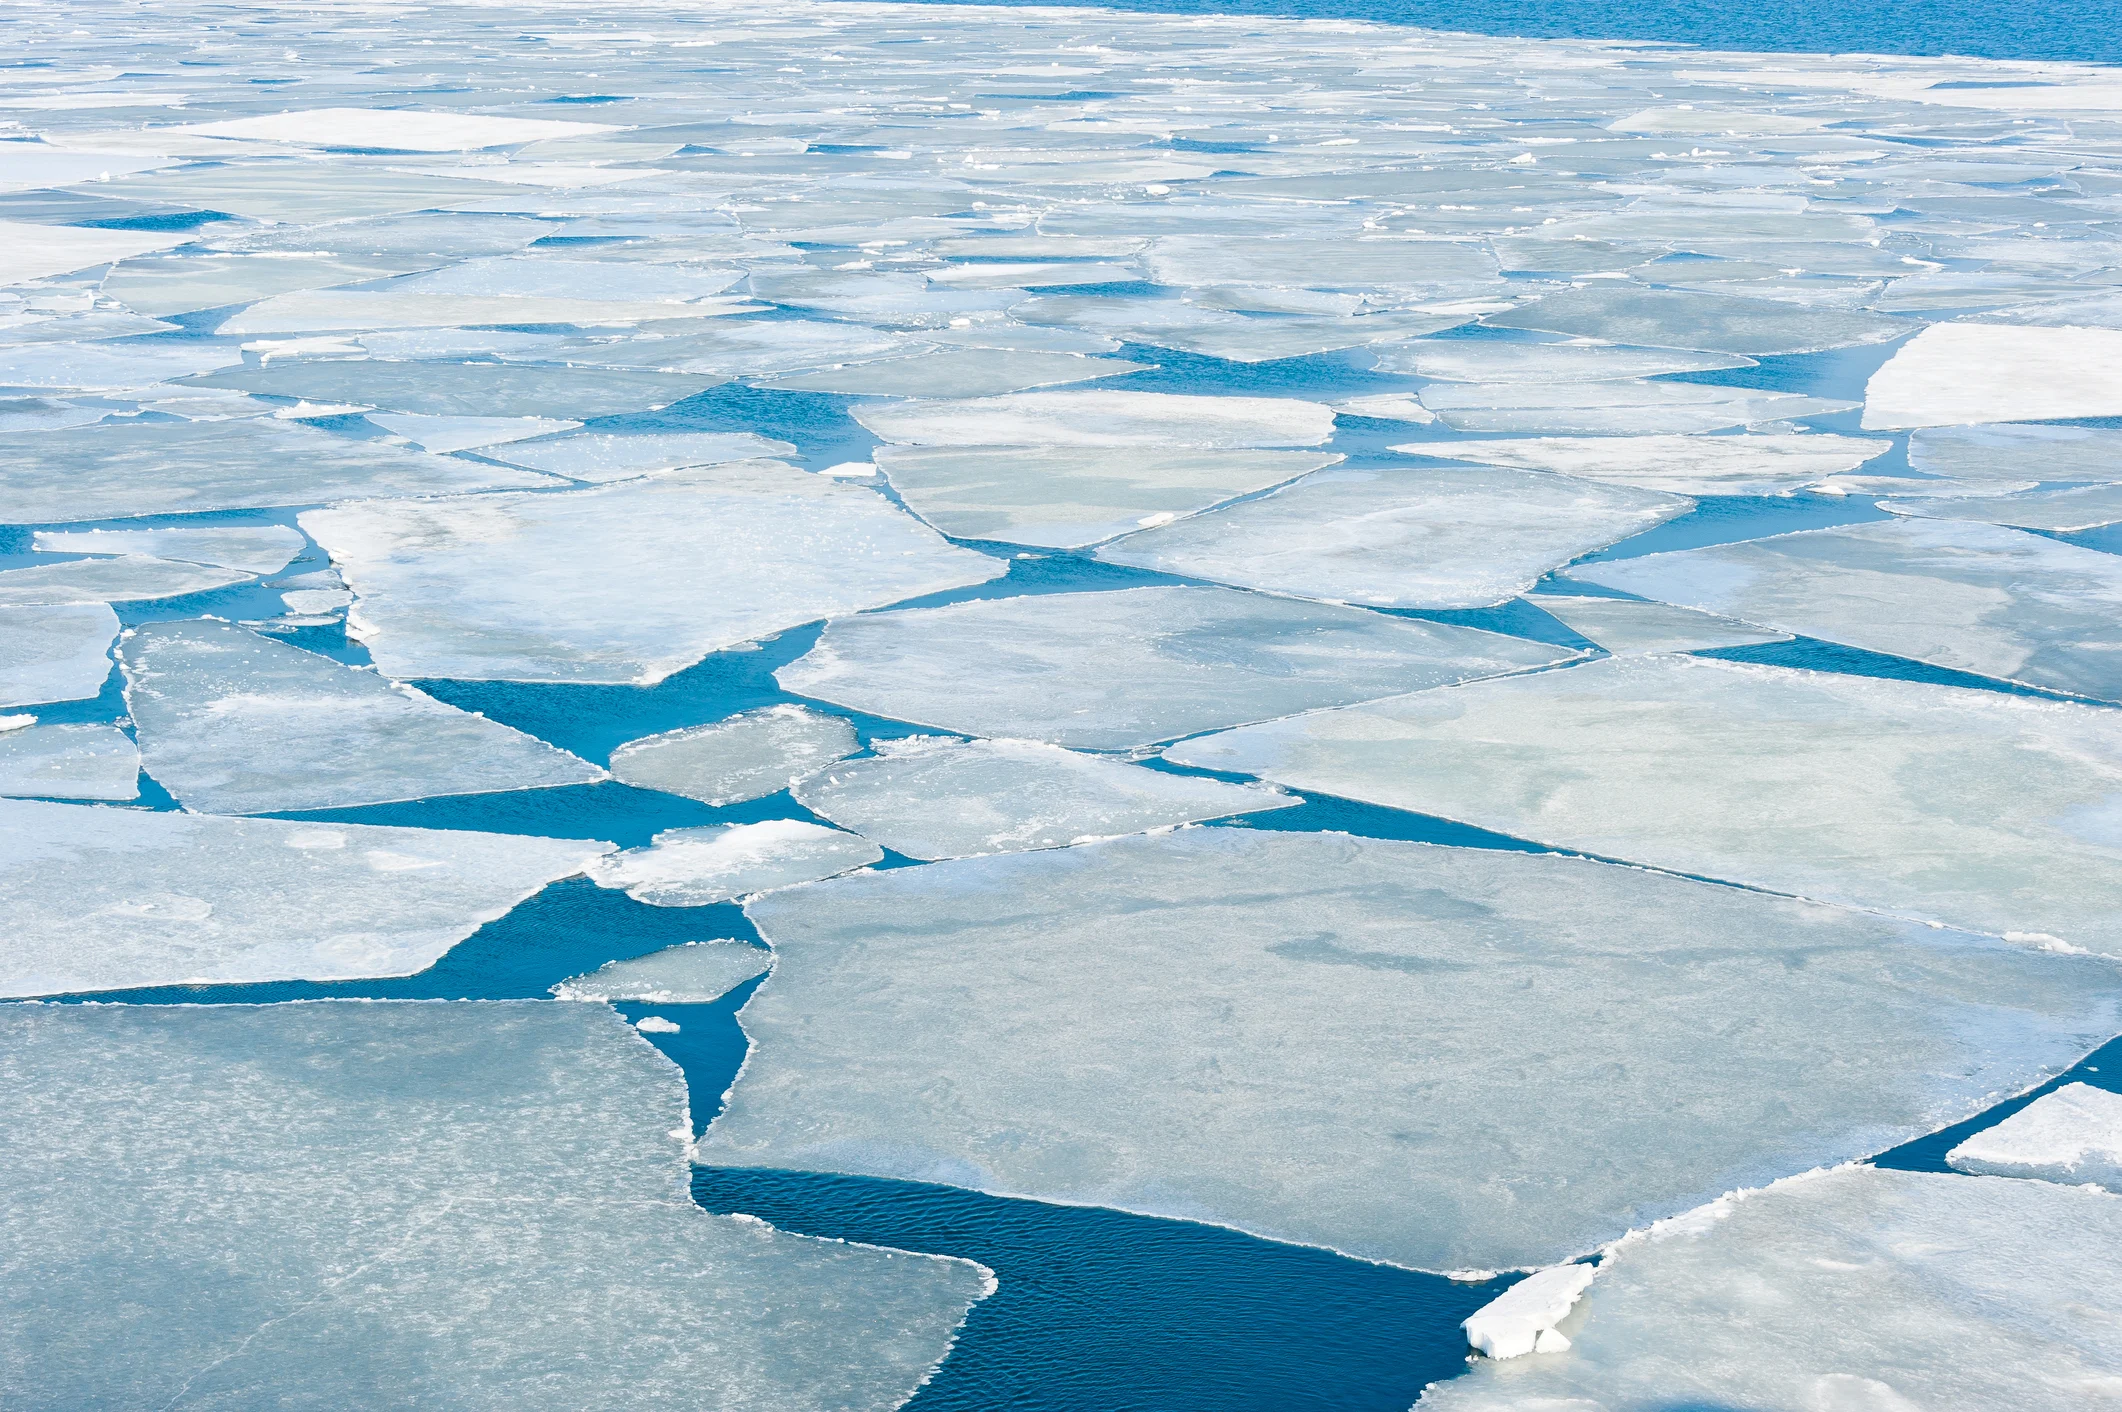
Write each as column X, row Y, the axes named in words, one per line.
column 692, row 974
column 717, row 862
column 124, row 579
column 254, row 549
column 747, row 756
column 1522, row 1319
column 69, row 762
column 2071, row 1135
column 1953, row 374
column 55, row 652
column 1761, row 464
column 1628, row 627
column 1100, row 418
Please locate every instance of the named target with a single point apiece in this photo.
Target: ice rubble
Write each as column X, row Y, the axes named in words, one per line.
column 519, row 587
column 955, row 373
column 69, row 762
column 1628, row 627
column 105, row 899
column 1109, row 671
column 2071, row 508
column 717, row 862
column 1522, row 1319
column 1712, row 323
column 1761, row 464
column 1947, row 804
column 1973, row 597
column 1104, row 419
column 2072, row 1135
column 1953, row 374
column 934, row 797
column 124, row 579
column 746, row 756
column 1853, row 1290
column 1613, row 408
column 1437, row 1057
column 607, row 456
column 233, row 723
column 467, row 1204
column 692, row 974
column 254, row 549
column 1401, row 538
column 55, row 652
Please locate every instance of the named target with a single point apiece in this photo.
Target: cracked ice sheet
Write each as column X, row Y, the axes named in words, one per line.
column 255, row 549
column 1712, row 323
column 1945, row 804
column 518, row 587
column 233, row 723
column 607, row 456
column 1683, row 465
column 1954, row 374
column 1627, row 627
column 55, row 652
column 717, row 862
column 127, row 578
column 1119, row 1025
column 109, row 899
column 1461, row 360
column 1614, row 408
column 1401, row 538
column 69, row 762
column 466, row 1204
column 1971, row 597
column 2073, row 1136
column 1852, row 1290
column 466, row 389
column 692, row 974
column 747, row 756
column 933, row 797
column 1112, row 671
column 1101, row 418
column 955, row 373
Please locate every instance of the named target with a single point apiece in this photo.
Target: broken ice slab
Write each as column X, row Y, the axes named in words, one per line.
column 1945, row 804
column 69, row 762
column 1167, row 323
column 466, row 389
column 1984, row 454
column 606, row 456
column 958, row 372
column 1712, row 323
column 1684, row 465
column 442, row 435
column 1111, row 671
column 1102, row 418
column 1614, row 408
column 28, row 166
column 1464, row 360
column 1311, row 263
column 463, row 1204
column 934, row 797
column 1852, row 1290
column 717, row 862
column 113, row 366
column 1955, row 374
column 127, row 578
column 1401, row 538
column 1971, row 597
column 356, row 310
column 33, row 251
column 747, row 756
column 544, row 277
column 692, row 974
column 108, row 899
column 1628, row 627
column 1522, row 1319
column 255, row 549
column 1386, row 406
column 2072, row 1135
column 520, row 587
column 1297, row 1035
column 55, row 652
column 234, row 723
column 1021, row 275
column 161, row 285
column 117, row 470
column 388, row 129
column 2073, row 508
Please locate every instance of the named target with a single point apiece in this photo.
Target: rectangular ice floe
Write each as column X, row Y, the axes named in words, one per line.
column 716, row 862
column 692, row 974
column 1684, row 465
column 957, row 372
column 466, row 389
column 519, row 587
column 1629, row 627
column 2073, row 1135
column 747, row 756
column 127, row 578
column 606, row 456
column 1712, row 323
column 451, row 1204
column 55, row 652
column 1098, row 418
column 254, row 549
column 1615, row 408
column 1972, row 597
column 2072, row 508
column 1109, row 671
column 1853, row 1290
column 1438, row 1057
column 234, row 723
column 106, row 899
column 69, row 762
column 1401, row 538
column 1968, row 807
column 935, row 797
column 1465, row 360
column 1954, row 374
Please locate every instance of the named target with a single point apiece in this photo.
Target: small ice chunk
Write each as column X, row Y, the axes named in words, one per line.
column 717, row 862
column 2073, row 508
column 955, row 373
column 1386, row 406
column 1516, row 1321
column 1401, row 538
column 69, row 762
column 125, row 579
column 1983, row 454
column 55, row 652
column 255, row 549
column 1617, row 408
column 656, row 1024
column 1100, row 418
column 442, row 435
column 1684, row 465
column 746, row 756
column 692, row 974
column 606, row 456
column 108, row 899
column 389, row 129
column 935, row 797
column 316, row 600
column 1111, row 671
column 466, row 389
column 234, row 723
column 1628, row 627
column 1463, row 360
column 1711, row 323
column 2073, row 1136
column 1954, row 374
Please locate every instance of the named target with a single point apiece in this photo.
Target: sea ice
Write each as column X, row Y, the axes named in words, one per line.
column 106, row 899
column 36, row 251
column 1461, row 360
column 1401, row 538
column 127, row 578
column 448, row 1204
column 1613, row 408
column 747, row 756
column 69, row 762
column 465, row 389
column 935, row 797
column 389, row 129
column 544, row 277
column 1522, row 1319
column 55, row 652
column 1628, row 627
column 1310, row 263
column 1984, row 454
column 717, row 862
column 255, row 549
column 106, row 367
column 1852, row 1290
column 234, row 723
column 1954, row 374
column 161, row 285
column 1947, row 804
column 442, row 435
column 2073, row 1135
column 1100, row 418
column 692, row 974
column 605, row 456
column 1683, row 465
column 955, row 373
column 2073, row 508
column 356, row 310
column 1712, row 323
column 1111, row 671
column 519, row 587
column 1437, row 1057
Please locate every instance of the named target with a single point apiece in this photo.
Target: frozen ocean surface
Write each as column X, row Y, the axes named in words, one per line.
column 530, row 486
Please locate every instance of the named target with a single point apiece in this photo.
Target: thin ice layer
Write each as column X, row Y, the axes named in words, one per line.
column 935, row 797
column 1955, row 374
column 234, row 723
column 1438, row 1057
column 2073, row 508
column 1712, row 323
column 1102, row 418
column 717, row 862
column 55, row 652
column 69, row 762
column 1683, row 465
column 692, row 974
column 1628, row 627
column 453, row 1204
column 1109, row 671
column 746, row 756
column 1613, row 408
column 1465, row 360
column 1855, row 1290
column 110, row 899
column 125, row 579
column 1401, row 538
column 1972, row 597
column 521, row 587
column 1066, row 497
column 255, row 549
column 606, row 456
column 1967, row 807
column 2072, row 1135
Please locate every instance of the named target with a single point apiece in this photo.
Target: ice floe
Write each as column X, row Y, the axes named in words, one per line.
column 955, row 373
column 1953, row 374
column 606, row 456
column 1614, row 408
column 2071, row 508
column 2007, row 457
column 1711, row 323
column 465, row 389
column 2072, row 1135
column 692, row 974
column 1101, row 418
column 254, row 549
column 1762, row 464
column 69, row 762
column 1628, row 627
column 1464, row 360
column 389, row 129
column 39, row 251
column 747, row 756
column 126, row 578
column 445, row 434
column 1522, row 1319
column 55, row 652
column 717, row 862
